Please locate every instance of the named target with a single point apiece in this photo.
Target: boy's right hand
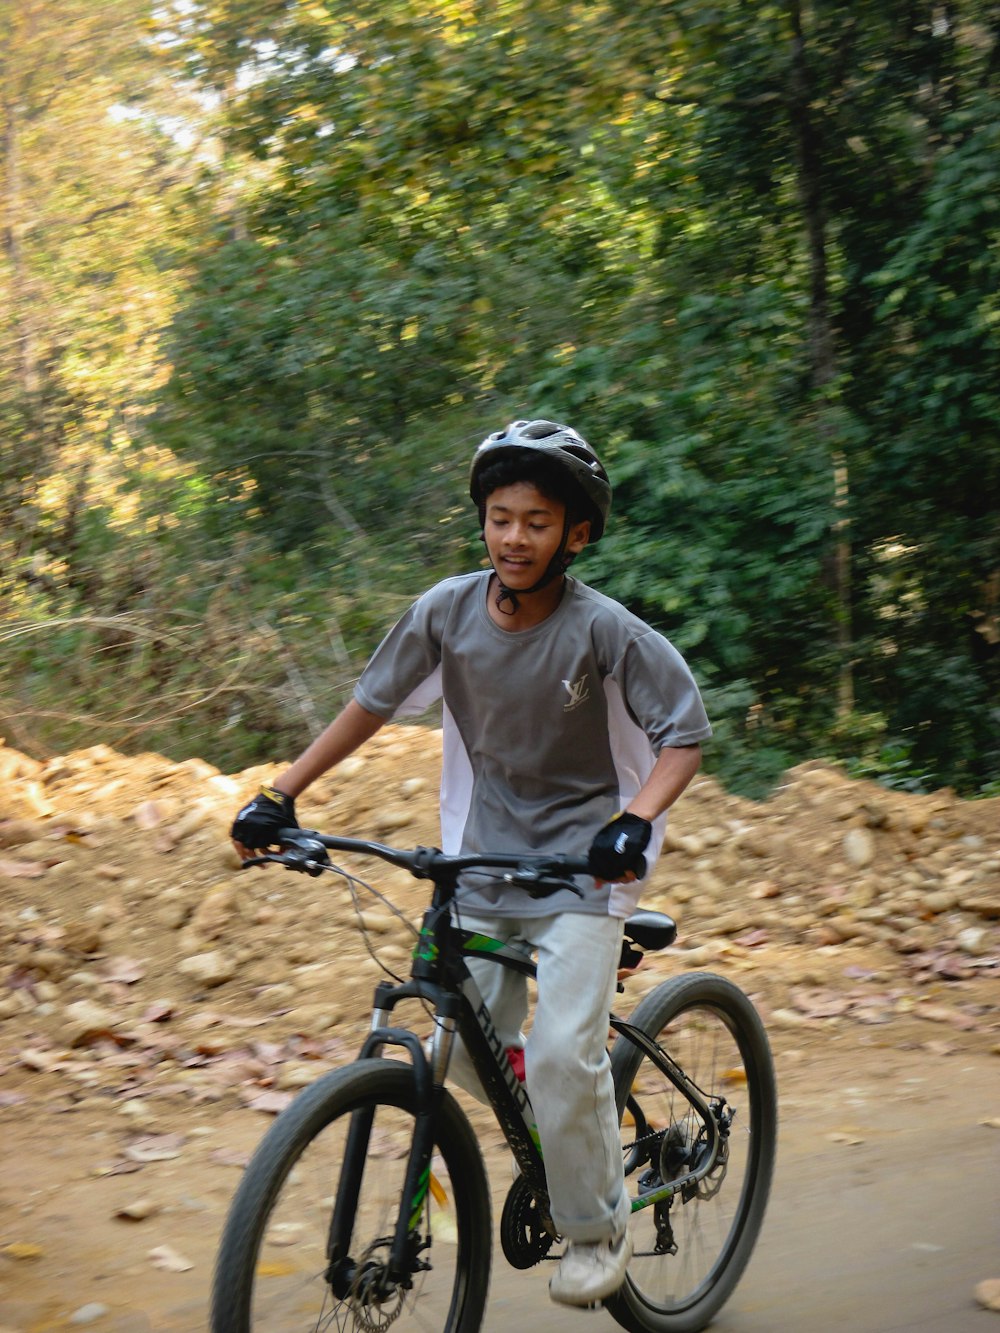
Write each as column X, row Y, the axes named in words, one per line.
column 258, row 824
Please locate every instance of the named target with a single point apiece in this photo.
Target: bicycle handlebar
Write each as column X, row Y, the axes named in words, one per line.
column 305, row 850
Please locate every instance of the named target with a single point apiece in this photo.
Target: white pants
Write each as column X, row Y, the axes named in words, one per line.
column 567, row 1069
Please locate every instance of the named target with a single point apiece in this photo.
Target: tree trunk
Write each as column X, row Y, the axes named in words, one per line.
column 13, row 223
column 822, row 348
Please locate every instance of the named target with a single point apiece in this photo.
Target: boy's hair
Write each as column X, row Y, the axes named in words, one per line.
column 539, row 471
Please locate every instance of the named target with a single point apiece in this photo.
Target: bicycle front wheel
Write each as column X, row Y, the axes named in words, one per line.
column 274, row 1269
column 690, row 1251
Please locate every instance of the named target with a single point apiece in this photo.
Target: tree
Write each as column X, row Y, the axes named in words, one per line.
column 749, row 251
column 935, row 460
column 816, row 135
column 91, row 223
column 420, row 240
column 87, row 226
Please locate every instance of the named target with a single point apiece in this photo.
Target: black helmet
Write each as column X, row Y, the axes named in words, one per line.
column 563, row 446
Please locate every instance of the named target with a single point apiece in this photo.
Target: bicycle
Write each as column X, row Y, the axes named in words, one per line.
column 367, row 1200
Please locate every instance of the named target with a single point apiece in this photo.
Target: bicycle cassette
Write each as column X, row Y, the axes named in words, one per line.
column 523, row 1234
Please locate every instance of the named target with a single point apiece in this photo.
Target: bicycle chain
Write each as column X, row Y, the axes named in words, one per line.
column 705, row 1190
column 646, row 1138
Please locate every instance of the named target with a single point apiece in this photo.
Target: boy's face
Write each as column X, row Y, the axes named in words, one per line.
column 523, row 531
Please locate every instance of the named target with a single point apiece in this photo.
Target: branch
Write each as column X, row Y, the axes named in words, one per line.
column 103, row 212
column 294, row 677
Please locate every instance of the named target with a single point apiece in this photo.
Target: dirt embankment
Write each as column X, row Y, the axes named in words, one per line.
column 125, row 917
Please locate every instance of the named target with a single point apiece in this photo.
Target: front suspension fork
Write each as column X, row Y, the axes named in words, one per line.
column 403, row 1259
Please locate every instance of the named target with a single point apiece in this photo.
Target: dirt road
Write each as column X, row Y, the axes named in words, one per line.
column 885, row 1212
column 884, row 1215
column 157, row 1006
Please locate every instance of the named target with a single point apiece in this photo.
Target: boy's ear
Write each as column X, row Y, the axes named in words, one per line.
column 579, row 536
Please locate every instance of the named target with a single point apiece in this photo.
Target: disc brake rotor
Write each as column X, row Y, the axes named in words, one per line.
column 366, row 1298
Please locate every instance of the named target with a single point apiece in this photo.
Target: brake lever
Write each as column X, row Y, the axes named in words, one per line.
column 259, row 860
column 531, row 879
column 308, row 856
column 567, row 884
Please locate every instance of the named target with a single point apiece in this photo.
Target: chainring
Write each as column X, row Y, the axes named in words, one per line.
column 523, row 1236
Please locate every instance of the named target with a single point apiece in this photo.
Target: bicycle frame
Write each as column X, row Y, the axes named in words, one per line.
column 441, row 977
column 382, row 1226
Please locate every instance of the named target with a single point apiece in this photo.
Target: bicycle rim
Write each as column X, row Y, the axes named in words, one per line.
column 689, row 1254
column 273, row 1269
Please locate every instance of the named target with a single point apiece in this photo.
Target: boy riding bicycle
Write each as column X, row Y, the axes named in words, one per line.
column 568, row 723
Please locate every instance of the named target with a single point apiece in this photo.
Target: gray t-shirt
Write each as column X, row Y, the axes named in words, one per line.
column 548, row 732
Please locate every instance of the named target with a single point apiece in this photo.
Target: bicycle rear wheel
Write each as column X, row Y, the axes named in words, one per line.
column 689, row 1252
column 272, row 1269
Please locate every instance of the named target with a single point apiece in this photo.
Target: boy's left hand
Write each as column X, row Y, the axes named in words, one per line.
column 617, row 851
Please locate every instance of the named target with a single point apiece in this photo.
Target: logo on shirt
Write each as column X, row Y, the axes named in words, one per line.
column 578, row 693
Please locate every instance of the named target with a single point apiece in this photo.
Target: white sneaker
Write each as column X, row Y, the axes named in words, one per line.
column 591, row 1270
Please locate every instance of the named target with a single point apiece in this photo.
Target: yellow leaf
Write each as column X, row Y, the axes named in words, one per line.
column 22, row 1250
column 438, row 1191
column 275, row 1268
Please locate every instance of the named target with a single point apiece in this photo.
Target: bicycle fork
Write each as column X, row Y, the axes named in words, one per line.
column 369, row 1279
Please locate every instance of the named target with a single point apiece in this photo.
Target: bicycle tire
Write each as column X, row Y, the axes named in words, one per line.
column 712, row 1031
column 283, row 1206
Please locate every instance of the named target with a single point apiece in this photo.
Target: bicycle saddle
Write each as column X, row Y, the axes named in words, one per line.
column 651, row 930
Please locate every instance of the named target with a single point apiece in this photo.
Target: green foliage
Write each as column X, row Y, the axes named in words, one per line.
column 936, row 464
column 895, row 767
column 297, row 369
column 721, row 526
column 273, row 267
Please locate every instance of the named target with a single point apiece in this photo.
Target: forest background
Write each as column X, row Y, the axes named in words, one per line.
column 271, row 269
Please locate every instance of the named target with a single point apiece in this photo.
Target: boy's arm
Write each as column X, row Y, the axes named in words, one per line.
column 348, row 730
column 258, row 823
column 673, row 770
column 617, row 850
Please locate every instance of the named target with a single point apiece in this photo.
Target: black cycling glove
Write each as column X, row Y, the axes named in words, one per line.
column 618, row 848
column 260, row 821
